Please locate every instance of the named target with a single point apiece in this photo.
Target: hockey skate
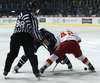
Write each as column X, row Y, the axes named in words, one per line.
column 41, row 71
column 15, row 70
column 91, row 68
column 5, row 74
column 70, row 66
column 38, row 76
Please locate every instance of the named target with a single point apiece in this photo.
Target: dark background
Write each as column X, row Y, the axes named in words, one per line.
column 52, row 7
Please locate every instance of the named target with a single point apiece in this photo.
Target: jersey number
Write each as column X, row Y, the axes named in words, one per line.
column 67, row 33
column 20, row 24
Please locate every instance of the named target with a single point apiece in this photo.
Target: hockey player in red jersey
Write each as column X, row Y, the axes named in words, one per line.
column 50, row 47
column 67, row 42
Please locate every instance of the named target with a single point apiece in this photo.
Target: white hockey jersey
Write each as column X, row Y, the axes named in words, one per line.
column 66, row 36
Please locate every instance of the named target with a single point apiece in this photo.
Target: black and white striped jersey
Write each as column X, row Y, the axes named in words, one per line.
column 27, row 22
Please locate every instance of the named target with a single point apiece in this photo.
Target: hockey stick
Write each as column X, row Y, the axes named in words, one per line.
column 54, row 67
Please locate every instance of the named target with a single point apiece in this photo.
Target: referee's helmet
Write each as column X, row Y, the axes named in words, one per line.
column 34, row 6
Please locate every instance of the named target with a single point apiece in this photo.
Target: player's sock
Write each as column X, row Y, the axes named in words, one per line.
column 48, row 62
column 21, row 62
column 86, row 62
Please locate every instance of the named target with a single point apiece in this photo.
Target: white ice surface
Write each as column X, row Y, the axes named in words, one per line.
column 90, row 46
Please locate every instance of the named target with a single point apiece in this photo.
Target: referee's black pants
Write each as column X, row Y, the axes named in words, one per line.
column 25, row 40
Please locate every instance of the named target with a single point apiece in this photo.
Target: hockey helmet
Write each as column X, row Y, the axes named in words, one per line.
column 46, row 34
column 43, row 31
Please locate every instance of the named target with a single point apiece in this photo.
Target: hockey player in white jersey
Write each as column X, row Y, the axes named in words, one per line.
column 67, row 42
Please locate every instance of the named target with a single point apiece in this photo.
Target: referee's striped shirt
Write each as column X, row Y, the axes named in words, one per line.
column 28, row 23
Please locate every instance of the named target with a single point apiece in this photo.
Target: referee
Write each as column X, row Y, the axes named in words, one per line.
column 25, row 30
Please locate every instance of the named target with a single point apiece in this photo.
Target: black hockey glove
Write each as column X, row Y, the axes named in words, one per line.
column 58, row 60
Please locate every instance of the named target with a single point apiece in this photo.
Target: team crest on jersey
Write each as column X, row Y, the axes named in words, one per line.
column 57, row 47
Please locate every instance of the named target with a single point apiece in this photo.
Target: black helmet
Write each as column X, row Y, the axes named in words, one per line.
column 46, row 34
column 43, row 31
column 35, row 5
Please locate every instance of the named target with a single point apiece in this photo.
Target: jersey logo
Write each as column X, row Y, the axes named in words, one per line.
column 57, row 47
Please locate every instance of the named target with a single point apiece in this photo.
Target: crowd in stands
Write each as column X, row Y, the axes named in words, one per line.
column 54, row 7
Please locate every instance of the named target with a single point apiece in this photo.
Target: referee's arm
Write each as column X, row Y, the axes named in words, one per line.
column 32, row 26
column 36, row 32
column 35, row 29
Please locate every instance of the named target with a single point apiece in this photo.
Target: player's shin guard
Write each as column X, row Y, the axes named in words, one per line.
column 48, row 62
column 86, row 62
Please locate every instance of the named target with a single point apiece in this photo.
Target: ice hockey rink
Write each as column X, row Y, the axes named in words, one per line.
column 90, row 46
